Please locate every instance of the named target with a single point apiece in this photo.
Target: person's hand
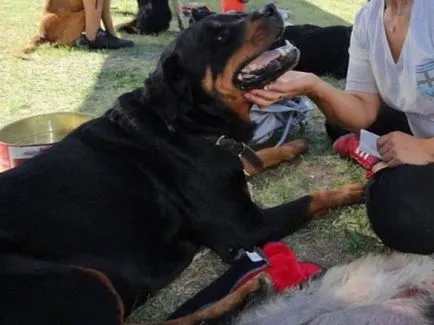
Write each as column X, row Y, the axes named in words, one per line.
column 288, row 85
column 398, row 148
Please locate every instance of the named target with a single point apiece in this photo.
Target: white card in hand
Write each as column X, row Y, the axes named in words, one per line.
column 368, row 143
column 254, row 256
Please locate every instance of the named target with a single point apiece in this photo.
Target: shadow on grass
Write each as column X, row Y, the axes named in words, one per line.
column 121, row 72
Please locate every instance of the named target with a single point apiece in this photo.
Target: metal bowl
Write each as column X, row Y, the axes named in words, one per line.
column 25, row 138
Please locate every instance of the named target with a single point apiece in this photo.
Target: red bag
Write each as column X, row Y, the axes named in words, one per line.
column 233, row 5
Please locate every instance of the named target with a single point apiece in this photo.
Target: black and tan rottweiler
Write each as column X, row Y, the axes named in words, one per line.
column 95, row 225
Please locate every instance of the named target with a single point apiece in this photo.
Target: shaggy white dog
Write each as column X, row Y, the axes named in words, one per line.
column 374, row 290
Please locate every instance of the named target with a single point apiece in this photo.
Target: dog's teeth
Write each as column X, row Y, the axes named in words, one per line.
column 251, row 67
column 244, row 76
column 282, row 51
column 288, row 47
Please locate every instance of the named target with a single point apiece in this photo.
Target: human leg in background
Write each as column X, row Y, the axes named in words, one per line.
column 94, row 37
column 107, row 18
column 93, row 12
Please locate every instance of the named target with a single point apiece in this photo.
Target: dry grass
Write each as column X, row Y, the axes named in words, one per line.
column 65, row 79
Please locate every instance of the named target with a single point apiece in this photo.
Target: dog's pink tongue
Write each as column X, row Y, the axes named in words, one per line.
column 262, row 60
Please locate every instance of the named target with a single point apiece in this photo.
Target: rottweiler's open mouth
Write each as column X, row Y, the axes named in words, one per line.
column 267, row 67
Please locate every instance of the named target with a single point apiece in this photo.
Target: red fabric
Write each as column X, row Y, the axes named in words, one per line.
column 232, row 5
column 284, row 269
column 369, row 174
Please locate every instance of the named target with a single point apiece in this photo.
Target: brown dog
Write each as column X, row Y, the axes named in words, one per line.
column 62, row 23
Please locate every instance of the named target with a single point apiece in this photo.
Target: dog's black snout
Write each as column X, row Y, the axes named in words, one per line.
column 269, row 10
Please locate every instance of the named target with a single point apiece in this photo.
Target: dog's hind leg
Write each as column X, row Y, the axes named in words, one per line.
column 37, row 293
column 74, row 25
column 225, row 304
column 34, row 43
column 65, row 30
column 176, row 5
column 59, row 30
column 272, row 157
column 46, row 21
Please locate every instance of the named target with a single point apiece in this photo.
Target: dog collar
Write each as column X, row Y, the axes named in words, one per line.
column 240, row 149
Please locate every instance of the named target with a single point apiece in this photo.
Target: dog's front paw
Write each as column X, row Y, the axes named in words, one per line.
column 293, row 149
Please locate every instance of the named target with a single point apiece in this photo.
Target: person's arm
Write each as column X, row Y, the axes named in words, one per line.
column 357, row 107
column 429, row 148
column 351, row 110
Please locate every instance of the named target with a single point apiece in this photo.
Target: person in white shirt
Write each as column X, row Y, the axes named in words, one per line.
column 389, row 91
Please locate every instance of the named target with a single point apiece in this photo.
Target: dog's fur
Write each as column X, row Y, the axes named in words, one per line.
column 92, row 227
column 153, row 17
column 395, row 289
column 62, row 22
column 324, row 50
column 377, row 290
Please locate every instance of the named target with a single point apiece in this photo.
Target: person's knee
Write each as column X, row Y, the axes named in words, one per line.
column 399, row 208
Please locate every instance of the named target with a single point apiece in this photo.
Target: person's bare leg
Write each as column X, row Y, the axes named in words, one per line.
column 107, row 17
column 93, row 12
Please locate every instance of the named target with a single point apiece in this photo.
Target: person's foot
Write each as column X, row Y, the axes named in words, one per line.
column 103, row 40
column 347, row 146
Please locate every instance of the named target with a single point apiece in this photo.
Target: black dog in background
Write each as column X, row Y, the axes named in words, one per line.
column 324, row 50
column 153, row 17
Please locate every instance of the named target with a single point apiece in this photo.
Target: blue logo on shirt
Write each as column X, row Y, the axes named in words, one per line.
column 425, row 78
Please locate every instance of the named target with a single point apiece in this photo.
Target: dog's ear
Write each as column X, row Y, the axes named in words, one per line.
column 199, row 13
column 178, row 90
column 172, row 69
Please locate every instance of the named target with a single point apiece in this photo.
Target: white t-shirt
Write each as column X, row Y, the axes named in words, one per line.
column 407, row 85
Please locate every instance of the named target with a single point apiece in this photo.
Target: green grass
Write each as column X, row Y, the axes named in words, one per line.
column 64, row 79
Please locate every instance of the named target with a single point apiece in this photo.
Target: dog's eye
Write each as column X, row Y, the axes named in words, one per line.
column 221, row 37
